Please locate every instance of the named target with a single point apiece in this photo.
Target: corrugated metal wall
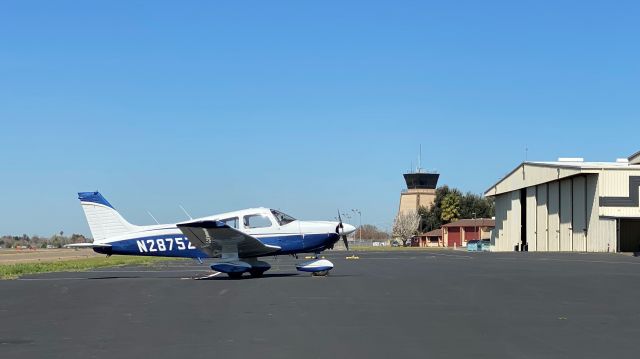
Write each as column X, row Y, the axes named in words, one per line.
column 606, row 237
column 513, row 219
column 579, row 221
column 532, row 239
column 529, row 175
column 561, row 216
column 542, row 216
column 553, row 202
column 616, row 184
column 593, row 216
column 601, row 231
column 507, row 231
column 497, row 235
column 566, row 211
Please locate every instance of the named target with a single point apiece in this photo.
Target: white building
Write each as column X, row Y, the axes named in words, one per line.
column 569, row 205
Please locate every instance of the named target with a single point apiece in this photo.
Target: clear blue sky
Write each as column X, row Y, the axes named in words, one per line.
column 306, row 106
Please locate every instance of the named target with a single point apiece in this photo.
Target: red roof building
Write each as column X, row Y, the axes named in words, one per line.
column 458, row 233
column 429, row 239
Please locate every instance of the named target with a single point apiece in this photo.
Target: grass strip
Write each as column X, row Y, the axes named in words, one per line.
column 12, row 271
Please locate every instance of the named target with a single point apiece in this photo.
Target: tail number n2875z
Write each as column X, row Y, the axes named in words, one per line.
column 163, row 244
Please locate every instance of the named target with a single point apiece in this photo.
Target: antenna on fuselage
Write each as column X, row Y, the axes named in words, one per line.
column 185, row 211
column 154, row 218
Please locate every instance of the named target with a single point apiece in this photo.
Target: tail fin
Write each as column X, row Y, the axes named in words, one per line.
column 104, row 220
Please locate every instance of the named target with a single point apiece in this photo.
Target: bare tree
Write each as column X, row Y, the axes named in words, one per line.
column 370, row 232
column 406, row 225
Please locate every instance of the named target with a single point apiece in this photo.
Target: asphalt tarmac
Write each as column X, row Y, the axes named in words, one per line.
column 440, row 304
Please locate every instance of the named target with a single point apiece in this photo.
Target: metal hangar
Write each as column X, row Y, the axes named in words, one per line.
column 570, row 206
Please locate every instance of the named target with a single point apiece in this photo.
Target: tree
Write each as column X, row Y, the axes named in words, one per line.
column 450, row 208
column 370, row 232
column 78, row 238
column 406, row 226
column 423, row 212
column 8, row 241
column 469, row 205
column 476, row 206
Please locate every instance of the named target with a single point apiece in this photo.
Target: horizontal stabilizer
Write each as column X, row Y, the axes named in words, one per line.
column 87, row 245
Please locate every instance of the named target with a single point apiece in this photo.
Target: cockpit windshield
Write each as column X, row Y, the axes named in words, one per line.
column 282, row 218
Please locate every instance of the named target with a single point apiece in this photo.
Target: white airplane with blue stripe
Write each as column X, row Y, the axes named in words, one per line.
column 234, row 240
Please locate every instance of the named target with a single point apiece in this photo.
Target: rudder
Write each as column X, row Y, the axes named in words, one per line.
column 104, row 221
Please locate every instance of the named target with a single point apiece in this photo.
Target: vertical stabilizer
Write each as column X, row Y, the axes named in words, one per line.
column 104, row 221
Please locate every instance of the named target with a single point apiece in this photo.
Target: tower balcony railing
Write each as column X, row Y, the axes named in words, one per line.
column 407, row 190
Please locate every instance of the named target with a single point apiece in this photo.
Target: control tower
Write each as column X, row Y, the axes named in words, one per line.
column 421, row 190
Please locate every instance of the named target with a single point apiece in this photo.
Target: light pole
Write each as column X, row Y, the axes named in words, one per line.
column 360, row 216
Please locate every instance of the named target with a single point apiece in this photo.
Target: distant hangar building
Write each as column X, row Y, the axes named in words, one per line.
column 569, row 205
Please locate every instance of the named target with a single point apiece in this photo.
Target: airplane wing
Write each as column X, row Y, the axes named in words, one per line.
column 217, row 239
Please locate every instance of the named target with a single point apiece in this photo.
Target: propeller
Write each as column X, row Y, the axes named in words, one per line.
column 340, row 228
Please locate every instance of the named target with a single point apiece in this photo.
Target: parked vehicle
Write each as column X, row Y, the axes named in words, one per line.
column 484, row 246
column 474, row 245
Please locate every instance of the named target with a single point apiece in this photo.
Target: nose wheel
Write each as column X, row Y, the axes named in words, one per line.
column 317, row 267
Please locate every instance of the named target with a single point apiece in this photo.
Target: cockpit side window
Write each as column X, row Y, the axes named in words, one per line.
column 256, row 221
column 282, row 218
column 231, row 222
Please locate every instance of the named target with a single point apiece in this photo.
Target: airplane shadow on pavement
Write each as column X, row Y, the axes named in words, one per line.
column 245, row 277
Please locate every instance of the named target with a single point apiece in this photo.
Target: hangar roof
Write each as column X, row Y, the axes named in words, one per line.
column 535, row 173
column 583, row 165
column 634, row 159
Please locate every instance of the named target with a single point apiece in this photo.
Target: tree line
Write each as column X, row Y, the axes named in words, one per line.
column 451, row 205
column 370, row 232
column 57, row 241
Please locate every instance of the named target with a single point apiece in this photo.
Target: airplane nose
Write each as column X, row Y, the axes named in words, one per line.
column 347, row 229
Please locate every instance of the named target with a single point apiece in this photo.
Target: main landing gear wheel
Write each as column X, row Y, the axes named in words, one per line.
column 235, row 275
column 322, row 273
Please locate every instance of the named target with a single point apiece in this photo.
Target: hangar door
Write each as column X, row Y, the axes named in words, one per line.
column 557, row 215
column 629, row 235
column 565, row 232
column 454, row 236
column 579, row 222
column 553, row 222
column 542, row 218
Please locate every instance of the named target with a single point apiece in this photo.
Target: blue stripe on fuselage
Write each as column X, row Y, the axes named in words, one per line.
column 300, row 243
column 177, row 245
column 167, row 245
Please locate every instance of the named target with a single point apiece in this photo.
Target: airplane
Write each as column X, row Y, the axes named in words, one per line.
column 234, row 240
